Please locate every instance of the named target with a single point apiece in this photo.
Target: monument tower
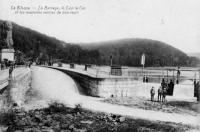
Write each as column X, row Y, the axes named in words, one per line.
column 6, row 41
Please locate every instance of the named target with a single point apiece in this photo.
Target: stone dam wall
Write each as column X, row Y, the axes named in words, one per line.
column 103, row 87
column 123, row 86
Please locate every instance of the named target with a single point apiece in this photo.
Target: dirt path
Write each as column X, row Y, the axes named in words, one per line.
column 55, row 85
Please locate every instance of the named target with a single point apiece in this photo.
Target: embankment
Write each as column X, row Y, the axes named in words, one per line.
column 17, row 88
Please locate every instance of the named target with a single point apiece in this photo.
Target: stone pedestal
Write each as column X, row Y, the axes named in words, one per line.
column 7, row 54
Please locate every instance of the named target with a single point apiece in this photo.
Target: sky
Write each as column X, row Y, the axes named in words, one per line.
column 175, row 22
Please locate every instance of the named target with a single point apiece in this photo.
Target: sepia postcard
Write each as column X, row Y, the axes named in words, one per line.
column 99, row 65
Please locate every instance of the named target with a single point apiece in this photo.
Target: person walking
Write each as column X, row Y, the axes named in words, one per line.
column 159, row 93
column 164, row 93
column 152, row 92
column 10, row 71
column 29, row 64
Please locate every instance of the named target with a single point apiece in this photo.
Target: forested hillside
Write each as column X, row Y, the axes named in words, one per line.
column 124, row 52
column 129, row 51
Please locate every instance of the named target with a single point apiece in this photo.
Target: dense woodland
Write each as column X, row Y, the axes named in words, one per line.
column 34, row 45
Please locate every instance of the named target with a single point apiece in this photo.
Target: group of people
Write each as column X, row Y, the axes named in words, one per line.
column 163, row 90
column 145, row 79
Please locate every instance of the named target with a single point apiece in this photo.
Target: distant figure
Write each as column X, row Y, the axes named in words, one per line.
column 152, row 92
column 198, row 92
column 177, row 81
column 171, row 87
column 195, row 82
column 195, row 88
column 178, row 75
column 147, row 79
column 160, row 93
column 144, row 79
column 164, row 93
column 163, row 83
column 10, row 71
column 29, row 64
column 3, row 65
